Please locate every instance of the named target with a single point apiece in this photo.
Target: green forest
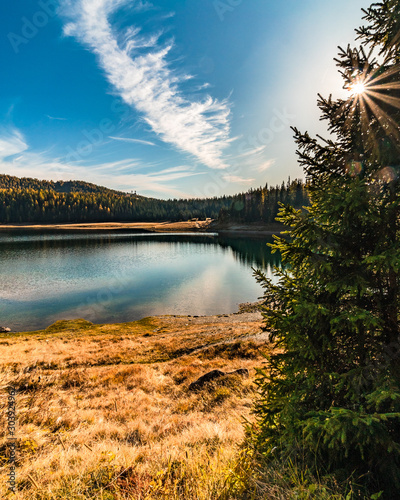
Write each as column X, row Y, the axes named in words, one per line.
column 33, row 201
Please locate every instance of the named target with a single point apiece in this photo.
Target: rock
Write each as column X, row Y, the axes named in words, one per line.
column 213, row 375
column 199, row 383
column 241, row 371
column 3, row 329
column 250, row 307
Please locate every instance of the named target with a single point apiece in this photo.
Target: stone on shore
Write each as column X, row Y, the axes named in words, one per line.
column 213, row 375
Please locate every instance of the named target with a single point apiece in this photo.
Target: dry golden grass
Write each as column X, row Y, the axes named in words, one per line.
column 158, row 227
column 104, row 411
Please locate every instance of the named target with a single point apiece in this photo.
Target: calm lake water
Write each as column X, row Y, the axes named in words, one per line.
column 124, row 277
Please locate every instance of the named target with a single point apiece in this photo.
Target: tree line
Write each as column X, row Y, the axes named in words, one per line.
column 263, row 204
column 33, row 201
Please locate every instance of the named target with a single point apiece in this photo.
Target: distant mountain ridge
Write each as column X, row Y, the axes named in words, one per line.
column 12, row 182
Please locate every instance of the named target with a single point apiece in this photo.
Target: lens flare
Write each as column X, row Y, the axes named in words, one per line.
column 357, row 88
column 373, row 93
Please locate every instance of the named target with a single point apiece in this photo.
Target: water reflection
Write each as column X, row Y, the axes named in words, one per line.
column 252, row 252
column 114, row 277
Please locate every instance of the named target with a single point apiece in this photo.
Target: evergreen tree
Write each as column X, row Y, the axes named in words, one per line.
column 331, row 393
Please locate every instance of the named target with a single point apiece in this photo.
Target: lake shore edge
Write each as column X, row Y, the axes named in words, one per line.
column 247, row 312
column 195, row 226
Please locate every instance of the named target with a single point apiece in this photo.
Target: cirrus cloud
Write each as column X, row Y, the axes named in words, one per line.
column 137, row 68
column 12, row 142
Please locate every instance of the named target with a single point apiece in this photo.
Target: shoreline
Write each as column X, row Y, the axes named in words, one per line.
column 151, row 227
column 205, row 226
column 247, row 312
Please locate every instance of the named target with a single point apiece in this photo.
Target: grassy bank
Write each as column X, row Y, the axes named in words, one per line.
column 105, row 411
column 247, row 229
column 151, row 227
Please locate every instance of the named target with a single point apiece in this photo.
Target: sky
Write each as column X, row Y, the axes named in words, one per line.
column 171, row 99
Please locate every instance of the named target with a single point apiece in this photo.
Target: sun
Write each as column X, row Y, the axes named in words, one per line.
column 357, row 88
column 370, row 94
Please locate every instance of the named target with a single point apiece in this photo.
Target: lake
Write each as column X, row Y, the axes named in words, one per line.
column 114, row 277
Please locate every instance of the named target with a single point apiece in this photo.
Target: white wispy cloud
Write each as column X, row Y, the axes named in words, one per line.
column 158, row 183
column 128, row 139
column 17, row 159
column 11, row 143
column 182, row 168
column 139, row 71
column 55, row 118
column 142, row 6
column 252, row 152
column 266, row 165
column 237, row 179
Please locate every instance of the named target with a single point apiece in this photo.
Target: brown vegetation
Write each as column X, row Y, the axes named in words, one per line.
column 152, row 227
column 104, row 411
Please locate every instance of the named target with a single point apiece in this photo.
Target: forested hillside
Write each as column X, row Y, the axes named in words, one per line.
column 12, row 182
column 30, row 200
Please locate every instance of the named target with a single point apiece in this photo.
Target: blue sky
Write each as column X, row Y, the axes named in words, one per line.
column 172, row 98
